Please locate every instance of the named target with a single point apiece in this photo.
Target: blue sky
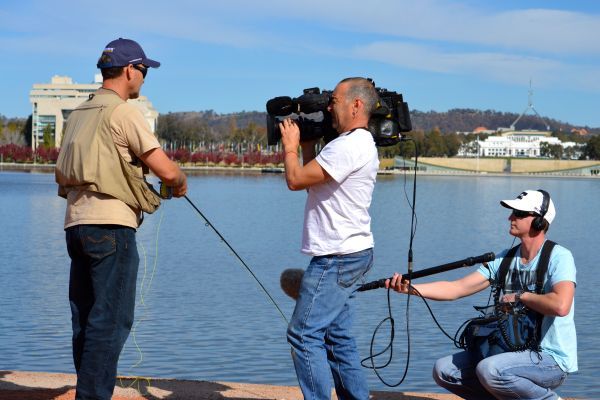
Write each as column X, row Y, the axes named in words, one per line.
column 234, row 55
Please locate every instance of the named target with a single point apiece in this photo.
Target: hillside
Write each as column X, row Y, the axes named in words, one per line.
column 456, row 120
column 465, row 120
column 193, row 126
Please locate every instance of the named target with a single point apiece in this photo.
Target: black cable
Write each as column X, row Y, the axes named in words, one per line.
column 413, row 225
column 457, row 342
column 238, row 257
column 411, row 289
column 390, row 346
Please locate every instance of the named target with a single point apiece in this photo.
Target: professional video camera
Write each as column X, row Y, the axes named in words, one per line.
column 387, row 122
column 309, row 111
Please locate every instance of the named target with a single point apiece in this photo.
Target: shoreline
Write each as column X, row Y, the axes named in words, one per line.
column 256, row 171
column 24, row 385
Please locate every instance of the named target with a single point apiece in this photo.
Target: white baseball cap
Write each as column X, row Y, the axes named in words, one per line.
column 531, row 201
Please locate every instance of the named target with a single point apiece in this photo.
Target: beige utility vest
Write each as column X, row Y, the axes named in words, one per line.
column 89, row 159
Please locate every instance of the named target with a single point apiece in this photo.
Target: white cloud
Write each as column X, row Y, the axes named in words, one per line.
column 556, row 48
column 541, row 31
column 70, row 23
column 538, row 30
column 240, row 23
column 196, row 24
column 502, row 67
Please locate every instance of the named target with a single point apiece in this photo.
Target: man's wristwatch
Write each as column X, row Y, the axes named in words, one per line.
column 518, row 296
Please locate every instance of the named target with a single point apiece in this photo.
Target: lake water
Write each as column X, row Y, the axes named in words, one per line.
column 200, row 315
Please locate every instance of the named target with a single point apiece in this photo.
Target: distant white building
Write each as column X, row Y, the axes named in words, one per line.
column 512, row 143
column 53, row 102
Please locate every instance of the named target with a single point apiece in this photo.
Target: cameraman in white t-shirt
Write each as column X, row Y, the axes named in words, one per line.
column 337, row 234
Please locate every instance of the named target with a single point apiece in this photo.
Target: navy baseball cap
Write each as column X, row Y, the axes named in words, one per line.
column 122, row 52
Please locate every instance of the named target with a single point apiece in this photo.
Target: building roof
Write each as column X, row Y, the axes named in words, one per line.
column 526, row 132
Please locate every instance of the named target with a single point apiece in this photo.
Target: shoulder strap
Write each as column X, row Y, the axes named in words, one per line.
column 503, row 271
column 542, row 266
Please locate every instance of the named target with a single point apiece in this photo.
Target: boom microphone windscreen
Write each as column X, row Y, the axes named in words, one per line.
column 290, row 281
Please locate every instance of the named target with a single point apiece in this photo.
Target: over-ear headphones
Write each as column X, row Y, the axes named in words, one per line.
column 538, row 222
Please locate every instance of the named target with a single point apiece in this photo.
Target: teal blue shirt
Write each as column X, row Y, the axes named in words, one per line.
column 559, row 338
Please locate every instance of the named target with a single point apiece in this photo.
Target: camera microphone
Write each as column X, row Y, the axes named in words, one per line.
column 281, row 106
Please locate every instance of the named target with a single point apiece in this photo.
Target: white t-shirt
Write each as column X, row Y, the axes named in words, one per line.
column 336, row 216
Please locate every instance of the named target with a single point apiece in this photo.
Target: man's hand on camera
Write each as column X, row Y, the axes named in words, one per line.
column 290, row 135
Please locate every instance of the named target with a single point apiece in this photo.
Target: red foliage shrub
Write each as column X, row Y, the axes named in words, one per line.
column 182, row 155
column 204, row 157
column 24, row 154
column 231, row 158
column 48, row 155
column 14, row 153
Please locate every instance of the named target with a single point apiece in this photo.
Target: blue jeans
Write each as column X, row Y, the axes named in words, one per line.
column 319, row 330
column 104, row 265
column 512, row 375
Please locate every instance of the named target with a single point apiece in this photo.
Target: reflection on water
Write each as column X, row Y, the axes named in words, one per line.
column 200, row 315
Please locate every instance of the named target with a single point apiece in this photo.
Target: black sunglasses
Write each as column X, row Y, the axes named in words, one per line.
column 141, row 68
column 522, row 214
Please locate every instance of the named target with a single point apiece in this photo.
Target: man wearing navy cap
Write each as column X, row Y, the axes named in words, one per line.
column 106, row 151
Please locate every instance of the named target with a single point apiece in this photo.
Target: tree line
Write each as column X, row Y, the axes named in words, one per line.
column 208, row 134
column 13, row 131
column 246, row 131
column 466, row 120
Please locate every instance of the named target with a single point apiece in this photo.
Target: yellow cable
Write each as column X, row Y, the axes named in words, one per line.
column 143, row 292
